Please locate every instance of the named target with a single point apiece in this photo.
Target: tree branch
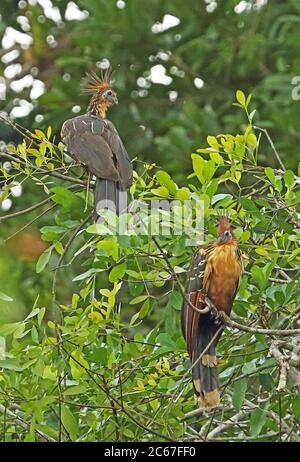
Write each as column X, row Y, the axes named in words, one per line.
column 40, row 435
column 254, row 330
column 285, row 368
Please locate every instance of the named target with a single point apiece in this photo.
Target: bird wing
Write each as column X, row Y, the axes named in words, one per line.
column 195, row 293
column 124, row 164
column 90, row 140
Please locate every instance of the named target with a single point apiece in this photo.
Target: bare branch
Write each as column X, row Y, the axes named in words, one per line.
column 263, row 130
column 285, row 368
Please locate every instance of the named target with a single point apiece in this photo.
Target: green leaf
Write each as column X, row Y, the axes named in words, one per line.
column 32, row 314
column 109, row 247
column 134, row 318
column 34, row 335
column 5, row 298
column 161, row 191
column 164, row 179
column 50, row 373
column 209, row 169
column 70, row 202
column 249, row 205
column 289, row 178
column 198, row 166
column 257, row 420
column 76, row 390
column 270, row 174
column 41, row 315
column 176, row 300
column 247, row 103
column 215, row 156
column 39, row 134
column 117, row 272
column 139, row 299
column 166, row 342
column 183, row 194
column 258, row 276
column 75, row 300
column 69, row 422
column 252, row 140
column 170, row 320
column 87, row 274
column 10, row 328
column 296, row 406
column 144, row 309
column 76, row 370
column 59, row 248
column 213, row 142
column 239, row 392
column 43, row 260
column 240, row 97
column 10, row 365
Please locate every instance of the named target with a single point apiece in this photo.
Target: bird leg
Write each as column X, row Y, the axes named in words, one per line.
column 87, row 191
column 217, row 315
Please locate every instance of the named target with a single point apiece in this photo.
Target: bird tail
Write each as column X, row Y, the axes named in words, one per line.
column 205, row 378
column 109, row 195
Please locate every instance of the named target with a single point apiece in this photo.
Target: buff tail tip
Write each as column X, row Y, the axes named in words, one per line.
column 209, row 400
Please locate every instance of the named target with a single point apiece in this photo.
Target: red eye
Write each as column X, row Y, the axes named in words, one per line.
column 109, row 93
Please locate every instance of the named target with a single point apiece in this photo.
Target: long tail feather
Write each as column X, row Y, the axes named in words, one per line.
column 205, row 378
column 109, row 195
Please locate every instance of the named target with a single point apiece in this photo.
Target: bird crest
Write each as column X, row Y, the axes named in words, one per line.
column 223, row 224
column 94, row 84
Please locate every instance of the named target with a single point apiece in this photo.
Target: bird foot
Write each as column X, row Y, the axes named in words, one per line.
column 218, row 317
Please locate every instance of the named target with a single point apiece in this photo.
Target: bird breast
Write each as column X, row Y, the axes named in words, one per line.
column 222, row 274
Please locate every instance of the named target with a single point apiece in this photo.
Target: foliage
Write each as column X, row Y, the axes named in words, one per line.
column 109, row 363
column 257, row 49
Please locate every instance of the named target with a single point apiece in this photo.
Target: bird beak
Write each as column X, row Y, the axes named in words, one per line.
column 115, row 99
column 221, row 240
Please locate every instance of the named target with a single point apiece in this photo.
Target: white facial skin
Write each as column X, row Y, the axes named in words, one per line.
column 225, row 237
column 110, row 96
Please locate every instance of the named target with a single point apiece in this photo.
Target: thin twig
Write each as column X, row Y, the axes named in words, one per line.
column 67, row 246
column 31, row 221
column 40, row 435
column 263, row 130
column 124, row 410
column 28, row 210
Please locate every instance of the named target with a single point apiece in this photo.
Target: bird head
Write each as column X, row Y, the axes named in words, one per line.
column 103, row 94
column 225, row 233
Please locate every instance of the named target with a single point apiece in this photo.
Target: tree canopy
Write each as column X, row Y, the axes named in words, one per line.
column 90, row 342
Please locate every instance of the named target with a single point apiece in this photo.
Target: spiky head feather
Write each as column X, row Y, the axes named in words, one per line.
column 96, row 85
column 223, row 224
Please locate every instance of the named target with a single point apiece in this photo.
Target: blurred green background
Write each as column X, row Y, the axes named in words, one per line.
column 178, row 65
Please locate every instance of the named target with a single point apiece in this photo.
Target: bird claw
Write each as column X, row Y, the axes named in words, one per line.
column 217, row 316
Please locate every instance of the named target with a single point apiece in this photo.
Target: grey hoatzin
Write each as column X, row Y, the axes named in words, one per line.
column 94, row 141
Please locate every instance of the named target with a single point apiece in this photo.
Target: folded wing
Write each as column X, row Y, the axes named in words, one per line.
column 96, row 143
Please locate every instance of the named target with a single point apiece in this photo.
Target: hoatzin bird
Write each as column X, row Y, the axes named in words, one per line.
column 214, row 273
column 94, row 141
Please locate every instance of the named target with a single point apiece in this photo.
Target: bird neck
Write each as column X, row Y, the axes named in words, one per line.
column 99, row 108
column 231, row 243
column 102, row 109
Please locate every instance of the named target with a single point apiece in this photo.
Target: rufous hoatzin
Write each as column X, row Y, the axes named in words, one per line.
column 94, row 141
column 214, row 273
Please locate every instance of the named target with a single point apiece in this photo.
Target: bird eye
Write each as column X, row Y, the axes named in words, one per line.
column 227, row 233
column 109, row 93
